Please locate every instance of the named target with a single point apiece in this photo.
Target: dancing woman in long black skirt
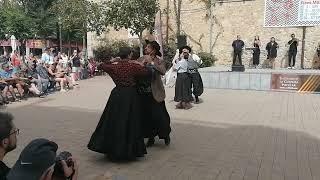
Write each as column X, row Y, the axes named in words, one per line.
column 119, row 134
column 156, row 119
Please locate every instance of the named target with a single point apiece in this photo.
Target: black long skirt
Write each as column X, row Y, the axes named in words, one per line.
column 183, row 88
column 256, row 57
column 197, row 84
column 118, row 134
column 156, row 119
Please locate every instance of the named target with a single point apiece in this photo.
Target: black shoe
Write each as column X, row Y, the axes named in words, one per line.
column 197, row 100
column 167, row 140
column 150, row 142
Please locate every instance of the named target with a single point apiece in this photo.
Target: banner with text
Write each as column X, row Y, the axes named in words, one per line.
column 296, row 82
column 286, row 13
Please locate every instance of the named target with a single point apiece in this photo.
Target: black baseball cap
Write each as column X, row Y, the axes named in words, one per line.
column 34, row 160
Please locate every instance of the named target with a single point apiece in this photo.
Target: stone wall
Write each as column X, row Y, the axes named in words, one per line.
column 232, row 19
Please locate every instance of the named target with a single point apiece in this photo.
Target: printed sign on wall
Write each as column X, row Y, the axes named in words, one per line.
column 286, row 13
column 296, row 82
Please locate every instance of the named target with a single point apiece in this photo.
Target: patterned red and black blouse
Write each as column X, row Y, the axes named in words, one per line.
column 124, row 73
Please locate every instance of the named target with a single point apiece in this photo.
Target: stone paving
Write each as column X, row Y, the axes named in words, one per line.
column 231, row 135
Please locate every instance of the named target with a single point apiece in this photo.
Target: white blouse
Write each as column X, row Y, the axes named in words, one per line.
column 182, row 66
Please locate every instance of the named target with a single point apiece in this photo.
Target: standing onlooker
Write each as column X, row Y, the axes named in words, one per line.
column 272, row 48
column 76, row 65
column 45, row 58
column 8, row 137
column 15, row 60
column 256, row 51
column 293, row 50
column 64, row 60
column 92, row 66
column 237, row 45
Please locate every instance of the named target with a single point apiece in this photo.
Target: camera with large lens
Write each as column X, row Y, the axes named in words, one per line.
column 58, row 168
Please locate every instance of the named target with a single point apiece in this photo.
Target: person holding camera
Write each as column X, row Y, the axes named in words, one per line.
column 38, row 161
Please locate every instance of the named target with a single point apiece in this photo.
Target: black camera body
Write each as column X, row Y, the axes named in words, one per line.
column 58, row 168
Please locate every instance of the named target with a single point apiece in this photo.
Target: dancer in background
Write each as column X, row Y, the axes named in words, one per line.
column 194, row 63
column 272, row 49
column 256, row 51
column 183, row 93
column 293, row 50
column 156, row 119
column 119, row 133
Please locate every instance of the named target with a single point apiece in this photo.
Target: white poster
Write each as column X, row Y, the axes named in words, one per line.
column 291, row 13
column 309, row 10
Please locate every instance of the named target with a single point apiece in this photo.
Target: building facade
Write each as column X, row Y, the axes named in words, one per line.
column 244, row 18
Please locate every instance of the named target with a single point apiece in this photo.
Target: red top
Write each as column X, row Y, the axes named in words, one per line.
column 124, row 73
column 15, row 61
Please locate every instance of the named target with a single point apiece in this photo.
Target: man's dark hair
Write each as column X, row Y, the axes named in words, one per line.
column 124, row 52
column 185, row 47
column 135, row 54
column 5, row 124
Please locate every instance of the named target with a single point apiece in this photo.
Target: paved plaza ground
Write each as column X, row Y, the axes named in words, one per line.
column 232, row 135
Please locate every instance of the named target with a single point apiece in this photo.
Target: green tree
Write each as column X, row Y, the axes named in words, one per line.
column 45, row 23
column 79, row 15
column 15, row 22
column 137, row 15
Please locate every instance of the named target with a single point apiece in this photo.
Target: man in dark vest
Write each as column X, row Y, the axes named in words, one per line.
column 237, row 50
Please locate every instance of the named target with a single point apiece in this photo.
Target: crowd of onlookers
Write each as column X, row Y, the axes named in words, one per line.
column 38, row 76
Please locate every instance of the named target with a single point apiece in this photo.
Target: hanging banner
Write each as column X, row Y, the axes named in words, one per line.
column 288, row 13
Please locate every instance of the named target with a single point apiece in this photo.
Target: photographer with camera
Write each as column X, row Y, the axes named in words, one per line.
column 38, row 161
column 66, row 167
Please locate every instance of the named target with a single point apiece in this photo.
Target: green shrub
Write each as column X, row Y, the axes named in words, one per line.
column 109, row 49
column 169, row 52
column 207, row 59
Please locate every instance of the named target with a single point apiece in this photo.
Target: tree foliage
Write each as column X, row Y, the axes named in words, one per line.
column 14, row 21
column 79, row 15
column 137, row 15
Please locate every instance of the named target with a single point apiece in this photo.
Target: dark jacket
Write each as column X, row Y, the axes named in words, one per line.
column 272, row 49
column 238, row 45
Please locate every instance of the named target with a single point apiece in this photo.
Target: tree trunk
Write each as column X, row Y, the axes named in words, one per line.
column 69, row 42
column 177, row 10
column 140, row 44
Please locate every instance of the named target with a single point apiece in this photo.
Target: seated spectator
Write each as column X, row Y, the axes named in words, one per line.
column 59, row 76
column 37, row 162
column 9, row 75
column 8, row 136
column 31, row 60
column 4, row 88
column 40, row 83
column 44, row 76
column 25, row 81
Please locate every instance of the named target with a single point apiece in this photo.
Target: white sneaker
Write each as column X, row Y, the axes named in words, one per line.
column 293, row 68
column 289, row 67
